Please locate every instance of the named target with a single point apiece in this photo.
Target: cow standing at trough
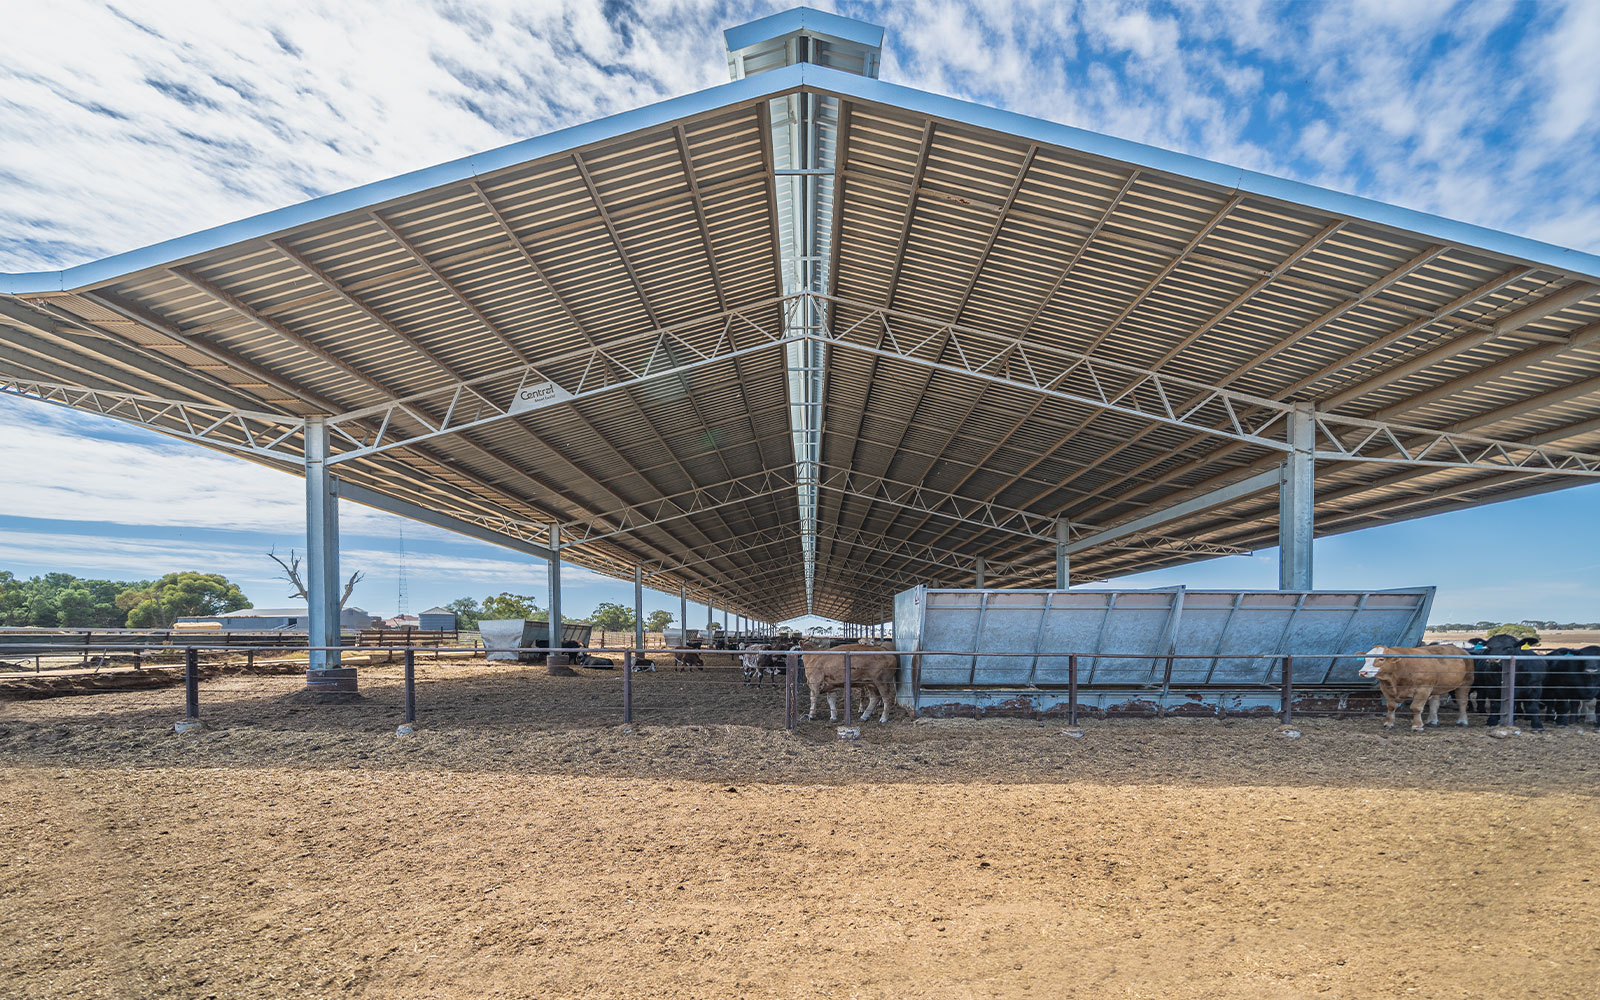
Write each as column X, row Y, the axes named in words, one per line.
column 872, row 668
column 1571, row 683
column 1422, row 681
column 1529, row 679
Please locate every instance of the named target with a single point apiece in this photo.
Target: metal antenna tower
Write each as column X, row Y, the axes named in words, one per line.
column 402, row 600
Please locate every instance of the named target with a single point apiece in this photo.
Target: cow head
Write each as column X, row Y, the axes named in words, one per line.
column 1369, row 665
column 1506, row 645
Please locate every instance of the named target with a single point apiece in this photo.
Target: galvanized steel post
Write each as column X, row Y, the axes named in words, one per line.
column 683, row 617
column 554, row 660
column 1296, row 502
column 1063, row 560
column 1508, row 693
column 638, row 607
column 322, row 563
column 1072, row 689
column 1286, row 705
column 978, row 574
column 191, row 683
column 847, row 689
column 411, row 686
column 791, row 684
column 627, row 686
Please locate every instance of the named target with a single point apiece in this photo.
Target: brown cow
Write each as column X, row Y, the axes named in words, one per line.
column 684, row 661
column 873, row 669
column 1422, row 681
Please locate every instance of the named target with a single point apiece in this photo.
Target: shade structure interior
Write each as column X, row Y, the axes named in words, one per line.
column 1017, row 330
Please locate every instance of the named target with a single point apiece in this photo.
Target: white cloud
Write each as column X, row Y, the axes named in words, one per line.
column 74, row 474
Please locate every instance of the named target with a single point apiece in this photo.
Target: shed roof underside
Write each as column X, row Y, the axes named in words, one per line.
column 951, row 241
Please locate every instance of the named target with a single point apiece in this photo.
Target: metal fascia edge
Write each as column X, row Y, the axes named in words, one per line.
column 1184, row 165
column 780, row 81
column 415, row 182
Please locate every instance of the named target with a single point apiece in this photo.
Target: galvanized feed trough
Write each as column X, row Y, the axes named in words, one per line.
column 1320, row 629
column 502, row 637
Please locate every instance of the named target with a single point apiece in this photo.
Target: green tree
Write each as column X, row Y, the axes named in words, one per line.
column 57, row 600
column 180, row 595
column 1520, row 631
column 468, row 611
column 503, row 606
column 611, row 617
column 657, row 621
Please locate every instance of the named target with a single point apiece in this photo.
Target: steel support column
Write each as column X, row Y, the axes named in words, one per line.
column 1296, row 499
column 1063, row 560
column 978, row 574
column 683, row 616
column 322, row 563
column 554, row 662
column 638, row 607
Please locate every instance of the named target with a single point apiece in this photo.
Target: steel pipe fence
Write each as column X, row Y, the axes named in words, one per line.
column 1504, row 707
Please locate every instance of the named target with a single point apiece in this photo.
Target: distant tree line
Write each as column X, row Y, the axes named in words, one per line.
column 61, row 600
column 1526, row 626
column 607, row 617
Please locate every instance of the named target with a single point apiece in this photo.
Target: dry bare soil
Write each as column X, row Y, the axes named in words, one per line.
column 525, row 844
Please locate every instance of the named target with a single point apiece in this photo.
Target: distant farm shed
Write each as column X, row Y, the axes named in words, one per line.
column 438, row 620
column 276, row 619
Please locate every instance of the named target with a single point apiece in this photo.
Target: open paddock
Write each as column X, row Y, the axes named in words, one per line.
column 523, row 844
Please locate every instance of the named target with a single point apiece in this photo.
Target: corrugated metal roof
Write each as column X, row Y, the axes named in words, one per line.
column 955, row 233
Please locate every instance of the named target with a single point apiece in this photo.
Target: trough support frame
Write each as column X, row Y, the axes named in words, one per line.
column 1296, row 503
column 322, row 563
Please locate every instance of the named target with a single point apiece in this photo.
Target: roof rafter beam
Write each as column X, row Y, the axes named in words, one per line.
column 467, row 404
column 1442, row 312
column 263, row 435
column 1147, row 394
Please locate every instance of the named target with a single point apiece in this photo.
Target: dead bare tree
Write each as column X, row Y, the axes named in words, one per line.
column 291, row 572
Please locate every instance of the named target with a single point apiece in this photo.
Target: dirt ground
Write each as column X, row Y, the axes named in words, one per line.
column 525, row 844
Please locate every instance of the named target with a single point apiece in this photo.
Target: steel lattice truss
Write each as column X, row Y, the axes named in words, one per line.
column 807, row 340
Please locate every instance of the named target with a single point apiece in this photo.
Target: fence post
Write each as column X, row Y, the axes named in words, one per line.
column 1072, row 689
column 916, row 685
column 1508, row 693
column 191, row 683
column 791, row 684
column 1166, row 685
column 411, row 686
column 1286, row 709
column 847, row 689
column 627, row 686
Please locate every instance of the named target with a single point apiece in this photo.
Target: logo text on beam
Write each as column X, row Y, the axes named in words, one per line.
column 533, row 395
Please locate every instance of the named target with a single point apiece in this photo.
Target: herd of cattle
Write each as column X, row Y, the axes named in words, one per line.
column 1561, row 683
column 874, row 671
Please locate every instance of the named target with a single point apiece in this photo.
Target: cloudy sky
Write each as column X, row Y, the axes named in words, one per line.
column 125, row 123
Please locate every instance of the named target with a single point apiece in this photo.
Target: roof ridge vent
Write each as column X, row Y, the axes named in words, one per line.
column 804, row 35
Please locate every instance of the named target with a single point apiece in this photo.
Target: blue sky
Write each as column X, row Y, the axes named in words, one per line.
column 122, row 124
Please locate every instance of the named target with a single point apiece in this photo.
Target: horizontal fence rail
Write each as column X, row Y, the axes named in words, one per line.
column 632, row 658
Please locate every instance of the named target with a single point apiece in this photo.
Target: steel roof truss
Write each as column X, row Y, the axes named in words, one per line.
column 263, row 435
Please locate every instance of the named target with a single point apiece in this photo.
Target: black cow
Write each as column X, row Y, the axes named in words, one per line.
column 1530, row 681
column 1572, row 681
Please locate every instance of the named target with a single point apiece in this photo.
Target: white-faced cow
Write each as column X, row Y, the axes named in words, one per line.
column 872, row 669
column 1422, row 680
